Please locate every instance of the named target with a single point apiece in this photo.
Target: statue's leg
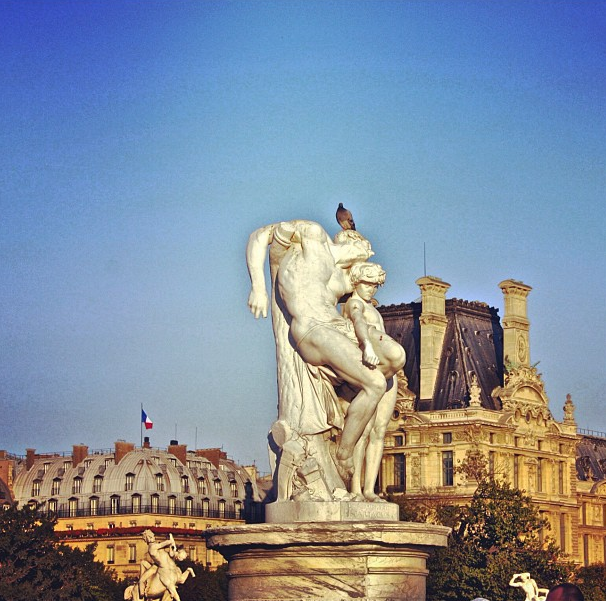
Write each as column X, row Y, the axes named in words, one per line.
column 358, row 459
column 376, row 440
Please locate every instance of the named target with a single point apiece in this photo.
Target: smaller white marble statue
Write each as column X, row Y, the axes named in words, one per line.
column 159, row 578
column 529, row 586
column 368, row 324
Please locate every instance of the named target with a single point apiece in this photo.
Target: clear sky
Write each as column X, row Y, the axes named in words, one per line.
column 142, row 141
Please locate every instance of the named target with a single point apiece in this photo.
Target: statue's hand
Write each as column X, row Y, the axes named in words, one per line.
column 369, row 356
column 258, row 302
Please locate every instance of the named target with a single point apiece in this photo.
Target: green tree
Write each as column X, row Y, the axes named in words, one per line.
column 33, row 565
column 592, row 581
column 493, row 537
column 208, row 585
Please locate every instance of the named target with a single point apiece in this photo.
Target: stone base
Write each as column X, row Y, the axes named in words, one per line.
column 286, row 512
column 334, row 561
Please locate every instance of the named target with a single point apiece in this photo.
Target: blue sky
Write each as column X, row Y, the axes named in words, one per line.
column 142, row 141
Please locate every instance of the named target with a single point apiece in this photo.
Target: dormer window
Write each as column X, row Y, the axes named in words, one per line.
column 36, row 488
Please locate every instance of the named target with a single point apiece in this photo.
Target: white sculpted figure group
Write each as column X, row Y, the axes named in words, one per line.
column 159, row 578
column 336, row 369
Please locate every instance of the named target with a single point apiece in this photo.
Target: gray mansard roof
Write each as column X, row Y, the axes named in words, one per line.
column 145, row 478
column 473, row 344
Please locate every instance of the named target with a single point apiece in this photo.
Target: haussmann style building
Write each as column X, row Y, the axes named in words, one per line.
column 111, row 497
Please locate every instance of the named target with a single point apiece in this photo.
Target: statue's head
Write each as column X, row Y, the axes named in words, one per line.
column 351, row 247
column 369, row 273
column 181, row 554
column 148, row 536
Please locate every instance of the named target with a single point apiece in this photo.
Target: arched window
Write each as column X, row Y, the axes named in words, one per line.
column 77, row 485
column 97, row 483
column 56, row 486
column 221, row 508
column 184, row 484
column 129, row 482
column 155, row 503
column 94, row 505
column 114, row 504
column 189, row 506
column 205, row 507
column 218, row 488
column 136, row 503
column 202, row 488
column 159, row 482
column 73, row 507
column 36, row 488
column 172, row 505
column 233, row 488
column 52, row 505
column 238, row 508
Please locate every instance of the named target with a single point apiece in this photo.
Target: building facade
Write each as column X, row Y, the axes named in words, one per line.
column 469, row 387
column 111, row 497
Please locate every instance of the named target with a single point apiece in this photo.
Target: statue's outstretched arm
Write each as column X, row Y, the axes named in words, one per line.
column 256, row 252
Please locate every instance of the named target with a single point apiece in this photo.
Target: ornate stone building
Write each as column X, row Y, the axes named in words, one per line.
column 470, row 386
column 110, row 497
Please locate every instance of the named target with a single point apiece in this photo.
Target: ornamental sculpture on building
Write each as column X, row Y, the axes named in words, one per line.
column 336, row 378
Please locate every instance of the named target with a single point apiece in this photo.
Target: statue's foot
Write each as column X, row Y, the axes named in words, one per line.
column 374, row 498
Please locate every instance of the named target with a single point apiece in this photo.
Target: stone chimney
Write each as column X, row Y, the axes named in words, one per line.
column 213, row 455
column 79, row 453
column 146, row 443
column 433, row 327
column 30, row 457
column 178, row 450
column 122, row 449
column 516, row 327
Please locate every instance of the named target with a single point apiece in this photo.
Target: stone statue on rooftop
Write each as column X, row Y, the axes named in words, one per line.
column 313, row 441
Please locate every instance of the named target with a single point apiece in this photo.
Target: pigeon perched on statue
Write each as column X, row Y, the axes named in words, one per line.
column 345, row 218
column 348, row 232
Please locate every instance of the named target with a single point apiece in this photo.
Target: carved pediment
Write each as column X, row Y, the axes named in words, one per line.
column 523, row 391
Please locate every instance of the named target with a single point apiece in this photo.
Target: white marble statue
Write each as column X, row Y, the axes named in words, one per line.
column 361, row 310
column 159, row 578
column 317, row 349
column 529, row 586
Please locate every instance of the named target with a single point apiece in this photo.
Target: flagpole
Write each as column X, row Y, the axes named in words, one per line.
column 141, row 424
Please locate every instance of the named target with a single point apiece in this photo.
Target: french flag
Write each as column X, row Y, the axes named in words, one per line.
column 145, row 420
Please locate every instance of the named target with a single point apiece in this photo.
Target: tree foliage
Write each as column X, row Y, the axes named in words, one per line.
column 495, row 536
column 208, row 585
column 33, row 565
column 592, row 581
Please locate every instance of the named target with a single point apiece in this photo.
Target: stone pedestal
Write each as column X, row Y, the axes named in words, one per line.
column 327, row 561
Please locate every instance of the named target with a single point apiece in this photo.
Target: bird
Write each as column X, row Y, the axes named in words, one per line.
column 345, row 218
